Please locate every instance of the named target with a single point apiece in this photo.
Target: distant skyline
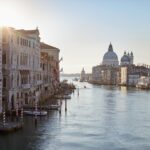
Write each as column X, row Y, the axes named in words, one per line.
column 83, row 29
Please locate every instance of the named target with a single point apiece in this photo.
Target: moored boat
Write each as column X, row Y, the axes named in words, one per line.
column 33, row 113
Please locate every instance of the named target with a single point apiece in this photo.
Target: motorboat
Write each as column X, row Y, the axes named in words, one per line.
column 33, row 113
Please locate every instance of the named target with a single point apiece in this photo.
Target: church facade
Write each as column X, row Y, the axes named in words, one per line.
column 108, row 71
column 111, row 72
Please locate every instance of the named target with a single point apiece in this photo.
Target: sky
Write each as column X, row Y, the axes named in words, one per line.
column 83, row 29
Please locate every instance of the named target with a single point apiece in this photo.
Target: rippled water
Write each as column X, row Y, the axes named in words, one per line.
column 101, row 118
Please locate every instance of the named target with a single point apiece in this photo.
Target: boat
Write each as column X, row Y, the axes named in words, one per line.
column 33, row 113
column 66, row 97
column 55, row 106
column 10, row 127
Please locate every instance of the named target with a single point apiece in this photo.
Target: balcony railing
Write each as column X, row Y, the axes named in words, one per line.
column 39, row 82
column 25, row 86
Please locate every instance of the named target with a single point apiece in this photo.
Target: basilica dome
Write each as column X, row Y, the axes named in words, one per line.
column 125, row 58
column 110, row 57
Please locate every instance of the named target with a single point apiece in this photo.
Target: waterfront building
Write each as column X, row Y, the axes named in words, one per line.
column 129, row 75
column 21, row 67
column 1, row 78
column 30, row 69
column 85, row 76
column 108, row 71
column 50, row 69
column 82, row 75
column 143, row 82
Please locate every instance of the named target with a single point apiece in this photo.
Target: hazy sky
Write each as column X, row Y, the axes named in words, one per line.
column 83, row 29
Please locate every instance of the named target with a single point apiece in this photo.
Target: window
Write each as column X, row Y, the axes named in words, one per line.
column 4, row 82
column 4, row 58
column 18, row 40
column 21, row 41
column 29, row 44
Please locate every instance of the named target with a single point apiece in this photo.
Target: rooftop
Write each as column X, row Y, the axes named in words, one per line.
column 46, row 46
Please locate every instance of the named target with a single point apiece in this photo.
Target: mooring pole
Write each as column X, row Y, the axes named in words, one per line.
column 4, row 119
column 60, row 107
column 65, row 105
column 78, row 91
column 22, row 114
column 17, row 111
column 35, row 112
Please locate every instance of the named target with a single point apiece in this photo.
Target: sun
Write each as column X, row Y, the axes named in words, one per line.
column 8, row 14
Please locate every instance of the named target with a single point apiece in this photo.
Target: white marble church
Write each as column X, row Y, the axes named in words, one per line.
column 108, row 71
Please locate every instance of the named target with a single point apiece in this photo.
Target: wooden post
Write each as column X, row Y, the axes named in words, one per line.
column 22, row 114
column 4, row 121
column 17, row 111
column 35, row 112
column 78, row 91
column 60, row 103
column 65, row 105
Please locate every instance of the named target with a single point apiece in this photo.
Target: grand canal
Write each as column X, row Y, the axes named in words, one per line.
column 100, row 118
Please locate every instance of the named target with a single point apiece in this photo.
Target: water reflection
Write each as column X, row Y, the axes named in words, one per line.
column 102, row 117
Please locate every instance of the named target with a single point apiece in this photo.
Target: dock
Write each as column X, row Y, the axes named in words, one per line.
column 10, row 127
column 44, row 107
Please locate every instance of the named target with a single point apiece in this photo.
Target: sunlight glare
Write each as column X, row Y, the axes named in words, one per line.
column 8, row 14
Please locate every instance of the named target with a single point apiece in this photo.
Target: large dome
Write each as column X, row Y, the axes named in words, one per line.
column 110, row 57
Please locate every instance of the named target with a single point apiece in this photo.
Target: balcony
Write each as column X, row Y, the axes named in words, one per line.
column 39, row 82
column 25, row 86
column 22, row 67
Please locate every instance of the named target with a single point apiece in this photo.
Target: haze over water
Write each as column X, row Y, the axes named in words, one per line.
column 102, row 117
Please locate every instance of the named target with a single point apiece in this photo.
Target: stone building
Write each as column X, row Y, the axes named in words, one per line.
column 1, row 70
column 29, row 69
column 143, row 82
column 85, row 76
column 21, row 67
column 50, row 69
column 130, row 74
column 108, row 71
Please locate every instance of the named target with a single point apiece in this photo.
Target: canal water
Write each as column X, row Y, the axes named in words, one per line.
column 100, row 118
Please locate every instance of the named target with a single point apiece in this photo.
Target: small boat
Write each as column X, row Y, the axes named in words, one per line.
column 33, row 113
column 10, row 127
column 66, row 97
column 55, row 106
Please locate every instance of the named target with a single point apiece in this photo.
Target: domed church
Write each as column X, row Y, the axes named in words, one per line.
column 110, row 58
column 108, row 73
column 127, row 59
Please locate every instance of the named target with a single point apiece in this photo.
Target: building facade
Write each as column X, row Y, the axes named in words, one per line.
column 1, row 76
column 108, row 71
column 50, row 69
column 27, row 67
column 130, row 74
column 21, row 67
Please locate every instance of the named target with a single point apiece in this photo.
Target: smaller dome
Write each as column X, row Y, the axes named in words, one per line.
column 125, row 58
